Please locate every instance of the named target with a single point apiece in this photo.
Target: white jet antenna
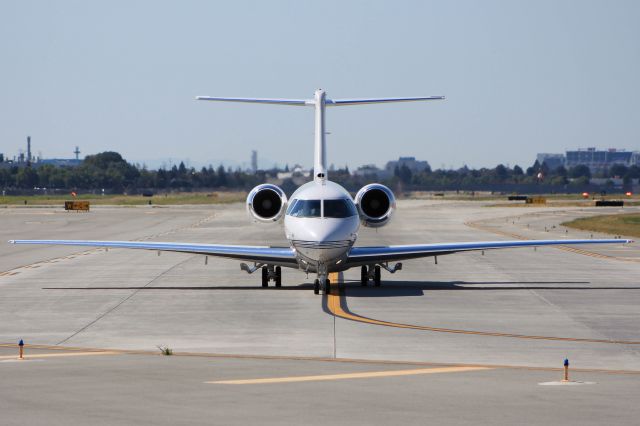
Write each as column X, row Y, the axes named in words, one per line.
column 320, row 101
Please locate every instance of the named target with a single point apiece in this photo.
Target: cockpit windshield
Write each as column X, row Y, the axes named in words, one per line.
column 339, row 208
column 304, row 208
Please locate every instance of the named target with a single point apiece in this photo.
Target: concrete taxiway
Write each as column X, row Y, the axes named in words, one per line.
column 464, row 341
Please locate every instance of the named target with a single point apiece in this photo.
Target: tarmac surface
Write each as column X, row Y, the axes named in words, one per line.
column 465, row 341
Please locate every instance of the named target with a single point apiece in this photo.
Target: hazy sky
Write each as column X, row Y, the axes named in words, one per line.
column 520, row 78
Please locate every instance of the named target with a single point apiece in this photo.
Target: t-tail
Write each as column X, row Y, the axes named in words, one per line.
column 320, row 102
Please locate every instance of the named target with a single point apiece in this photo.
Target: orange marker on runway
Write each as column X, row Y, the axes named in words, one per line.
column 21, row 349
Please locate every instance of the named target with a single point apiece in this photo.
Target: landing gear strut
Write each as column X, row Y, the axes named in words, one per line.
column 370, row 272
column 278, row 278
column 269, row 273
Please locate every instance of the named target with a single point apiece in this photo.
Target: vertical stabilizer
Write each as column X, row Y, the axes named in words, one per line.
column 320, row 152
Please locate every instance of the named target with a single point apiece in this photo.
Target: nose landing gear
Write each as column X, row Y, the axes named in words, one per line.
column 326, row 287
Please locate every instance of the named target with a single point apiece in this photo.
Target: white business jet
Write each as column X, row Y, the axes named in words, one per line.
column 321, row 221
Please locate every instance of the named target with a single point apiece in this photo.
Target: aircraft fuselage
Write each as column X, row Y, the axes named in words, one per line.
column 321, row 225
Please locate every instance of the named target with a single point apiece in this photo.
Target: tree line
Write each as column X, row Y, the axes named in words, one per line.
column 111, row 172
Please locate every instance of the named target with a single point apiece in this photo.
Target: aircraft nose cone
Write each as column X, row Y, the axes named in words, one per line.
column 325, row 240
column 330, row 230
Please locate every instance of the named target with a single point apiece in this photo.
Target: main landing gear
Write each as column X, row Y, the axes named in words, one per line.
column 370, row 272
column 269, row 273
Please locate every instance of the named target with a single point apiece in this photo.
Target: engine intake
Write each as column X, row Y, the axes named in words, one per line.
column 266, row 203
column 376, row 204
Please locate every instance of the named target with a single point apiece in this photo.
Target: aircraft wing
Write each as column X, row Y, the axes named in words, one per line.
column 283, row 256
column 370, row 255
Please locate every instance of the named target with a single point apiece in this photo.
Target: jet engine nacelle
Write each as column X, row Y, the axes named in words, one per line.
column 376, row 204
column 266, row 203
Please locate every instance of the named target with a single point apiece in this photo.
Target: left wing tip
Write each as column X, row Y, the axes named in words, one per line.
column 11, row 241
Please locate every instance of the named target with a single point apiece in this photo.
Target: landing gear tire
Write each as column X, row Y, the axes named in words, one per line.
column 316, row 287
column 364, row 276
column 265, row 277
column 278, row 276
column 376, row 276
column 327, row 287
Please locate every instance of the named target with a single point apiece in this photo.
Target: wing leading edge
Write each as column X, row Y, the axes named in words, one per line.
column 283, row 256
column 368, row 255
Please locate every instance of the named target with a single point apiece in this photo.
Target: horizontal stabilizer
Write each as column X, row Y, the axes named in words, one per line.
column 340, row 102
column 295, row 102
column 312, row 102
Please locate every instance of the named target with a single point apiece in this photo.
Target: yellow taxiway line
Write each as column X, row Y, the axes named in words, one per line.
column 335, row 305
column 363, row 375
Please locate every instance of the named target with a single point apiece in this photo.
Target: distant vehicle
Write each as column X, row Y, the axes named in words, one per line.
column 321, row 221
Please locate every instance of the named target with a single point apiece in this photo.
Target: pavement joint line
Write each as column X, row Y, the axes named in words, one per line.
column 337, row 305
column 142, row 352
column 343, row 376
column 60, row 354
column 123, row 301
column 480, row 226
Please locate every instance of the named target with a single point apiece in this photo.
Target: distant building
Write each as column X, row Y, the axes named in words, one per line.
column 371, row 170
column 296, row 171
column 553, row 161
column 254, row 161
column 596, row 160
column 59, row 162
column 30, row 160
column 411, row 162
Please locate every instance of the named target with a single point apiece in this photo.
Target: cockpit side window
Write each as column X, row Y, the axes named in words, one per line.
column 339, row 208
column 291, row 206
column 304, row 208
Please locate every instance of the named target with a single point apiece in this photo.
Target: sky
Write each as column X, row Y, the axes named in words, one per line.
column 520, row 77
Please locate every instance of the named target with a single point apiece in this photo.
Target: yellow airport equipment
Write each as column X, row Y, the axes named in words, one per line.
column 79, row 206
column 536, row 200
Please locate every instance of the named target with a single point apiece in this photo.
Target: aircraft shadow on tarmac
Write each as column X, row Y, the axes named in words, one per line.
column 417, row 288
column 389, row 288
column 190, row 288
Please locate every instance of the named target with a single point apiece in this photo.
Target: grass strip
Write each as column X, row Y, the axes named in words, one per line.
column 627, row 224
